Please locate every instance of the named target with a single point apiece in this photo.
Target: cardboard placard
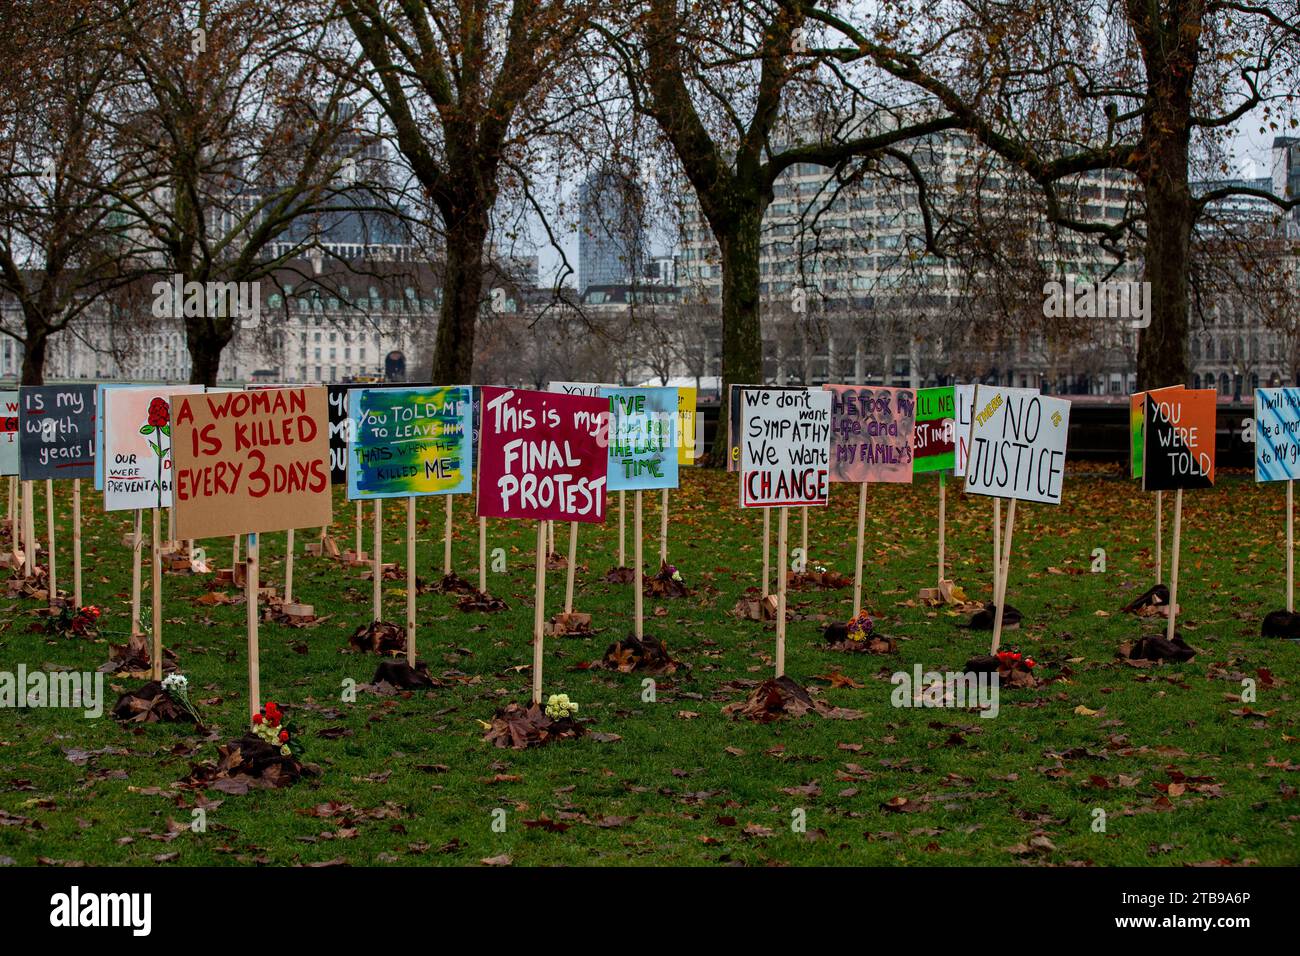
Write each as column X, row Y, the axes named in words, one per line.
column 642, row 438
column 934, row 448
column 1277, row 434
column 1018, row 440
column 871, row 433
column 1136, row 424
column 8, row 433
column 785, row 447
column 56, row 427
column 687, row 452
column 542, row 455
column 250, row 461
column 137, row 446
column 410, row 441
column 1178, row 439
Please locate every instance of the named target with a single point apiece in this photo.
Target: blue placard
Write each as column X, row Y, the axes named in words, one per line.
column 1277, row 434
column 642, row 438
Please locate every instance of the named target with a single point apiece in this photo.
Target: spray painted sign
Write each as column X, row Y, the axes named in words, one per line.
column 642, row 438
column 251, row 461
column 935, row 446
column 785, row 447
column 341, row 427
column 1178, row 439
column 871, row 433
column 1277, row 434
column 8, row 433
column 1018, row 440
column 137, row 446
column 56, row 429
column 542, row 455
column 410, row 441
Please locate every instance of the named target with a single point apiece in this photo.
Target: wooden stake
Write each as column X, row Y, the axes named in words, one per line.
column 29, row 530
column 234, row 555
column 76, row 543
column 550, row 532
column 1160, row 534
column 539, row 611
column 171, row 529
column 767, row 545
column 782, row 556
column 943, row 523
column 638, row 575
column 482, row 555
column 251, row 592
column 1001, row 596
column 410, row 579
column 803, row 540
column 1173, row 563
column 357, row 553
column 572, row 568
column 446, row 541
column 377, row 593
column 155, row 584
column 288, row 566
column 862, row 531
column 137, row 548
column 622, row 529
column 1290, row 548
column 997, row 548
column 49, row 531
column 663, row 529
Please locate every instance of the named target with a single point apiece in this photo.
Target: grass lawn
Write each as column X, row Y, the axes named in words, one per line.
column 407, row 779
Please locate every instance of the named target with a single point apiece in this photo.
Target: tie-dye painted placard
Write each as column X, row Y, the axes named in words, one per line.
column 410, row 441
column 642, row 438
column 871, row 433
column 1277, row 434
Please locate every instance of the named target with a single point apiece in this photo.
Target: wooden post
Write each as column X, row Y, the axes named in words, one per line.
column 29, row 529
column 539, row 611
column 663, row 529
column 803, row 540
column 1160, row 534
column 288, row 566
column 251, row 592
column 997, row 548
column 378, row 565
column 357, row 553
column 1001, row 596
column 572, row 568
column 410, row 580
column 767, row 545
column 137, row 547
column 76, row 543
column 171, row 529
column 155, row 584
column 446, row 541
column 15, row 536
column 1173, row 563
column 638, row 575
column 862, row 530
column 1290, row 548
column 550, row 532
column 622, row 529
column 234, row 555
column 49, row 531
column 943, row 523
column 782, row 557
column 482, row 555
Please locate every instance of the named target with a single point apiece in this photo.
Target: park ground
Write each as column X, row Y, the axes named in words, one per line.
column 1184, row 770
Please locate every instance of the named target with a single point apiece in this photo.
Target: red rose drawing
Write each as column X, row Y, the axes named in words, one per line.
column 159, row 413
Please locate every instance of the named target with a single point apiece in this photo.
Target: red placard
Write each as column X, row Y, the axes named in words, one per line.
column 542, row 455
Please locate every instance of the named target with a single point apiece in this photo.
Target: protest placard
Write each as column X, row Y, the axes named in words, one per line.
column 410, row 441
column 137, row 446
column 8, row 433
column 687, row 445
column 56, row 425
column 871, row 433
column 1018, row 441
column 642, row 438
column 785, row 447
column 934, row 448
column 1178, row 439
column 963, row 397
column 1277, row 434
column 250, row 461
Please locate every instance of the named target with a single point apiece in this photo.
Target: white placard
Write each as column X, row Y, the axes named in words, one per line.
column 785, row 447
column 1017, row 447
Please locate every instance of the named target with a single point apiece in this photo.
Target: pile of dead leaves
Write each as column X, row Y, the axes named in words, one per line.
column 569, row 624
column 620, row 575
column 388, row 572
column 379, row 637
column 817, row 580
column 837, row 638
column 151, row 704
column 754, row 606
column 556, row 561
column 133, row 659
column 481, row 602
column 1013, row 672
column 246, row 764
column 395, row 675
column 451, row 583
column 1156, row 647
column 521, row 727
column 647, row 655
column 780, row 697
column 36, row 587
column 667, row 583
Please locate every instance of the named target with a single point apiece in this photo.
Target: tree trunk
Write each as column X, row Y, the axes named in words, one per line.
column 462, row 291
column 742, row 330
column 34, row 355
column 205, row 347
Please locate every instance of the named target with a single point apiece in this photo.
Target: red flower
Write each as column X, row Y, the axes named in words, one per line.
column 257, row 718
column 284, row 736
column 159, row 413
